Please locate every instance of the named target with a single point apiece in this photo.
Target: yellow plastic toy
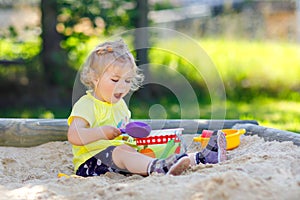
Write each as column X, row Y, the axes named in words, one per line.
column 61, row 175
column 232, row 138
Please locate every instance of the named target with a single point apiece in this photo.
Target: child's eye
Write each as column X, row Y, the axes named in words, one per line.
column 115, row 80
column 128, row 81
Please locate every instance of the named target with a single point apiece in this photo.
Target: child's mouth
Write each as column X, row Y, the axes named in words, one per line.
column 118, row 95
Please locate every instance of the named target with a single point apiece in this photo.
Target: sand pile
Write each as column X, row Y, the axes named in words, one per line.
column 255, row 170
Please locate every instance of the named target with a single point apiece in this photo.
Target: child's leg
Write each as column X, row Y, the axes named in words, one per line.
column 126, row 157
column 214, row 152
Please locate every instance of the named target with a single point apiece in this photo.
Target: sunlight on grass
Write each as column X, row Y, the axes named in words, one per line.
column 11, row 49
column 248, row 68
column 283, row 115
column 35, row 112
column 271, row 113
column 261, row 79
column 255, row 64
column 47, row 115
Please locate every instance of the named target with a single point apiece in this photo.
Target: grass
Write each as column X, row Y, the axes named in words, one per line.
column 248, row 68
column 261, row 81
column 12, row 50
column 262, row 65
column 35, row 112
column 280, row 114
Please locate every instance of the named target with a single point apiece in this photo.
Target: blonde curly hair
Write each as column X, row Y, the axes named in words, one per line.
column 109, row 54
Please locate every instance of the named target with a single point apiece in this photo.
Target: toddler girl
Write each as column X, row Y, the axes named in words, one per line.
column 110, row 73
column 97, row 144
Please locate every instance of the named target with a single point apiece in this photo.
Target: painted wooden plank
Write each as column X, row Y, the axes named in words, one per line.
column 270, row 134
column 31, row 132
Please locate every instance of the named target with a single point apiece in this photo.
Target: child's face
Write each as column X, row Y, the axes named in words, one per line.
column 114, row 83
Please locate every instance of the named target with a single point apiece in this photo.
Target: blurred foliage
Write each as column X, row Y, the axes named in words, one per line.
column 35, row 112
column 79, row 21
column 271, row 95
column 281, row 114
column 12, row 50
column 83, row 18
column 249, row 69
column 161, row 5
column 252, row 69
column 261, row 78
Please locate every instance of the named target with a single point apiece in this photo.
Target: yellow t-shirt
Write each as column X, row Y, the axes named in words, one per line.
column 97, row 113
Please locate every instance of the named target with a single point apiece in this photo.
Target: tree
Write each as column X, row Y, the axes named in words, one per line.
column 70, row 20
column 141, row 36
column 54, row 58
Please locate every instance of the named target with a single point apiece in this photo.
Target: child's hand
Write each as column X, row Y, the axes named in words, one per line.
column 110, row 132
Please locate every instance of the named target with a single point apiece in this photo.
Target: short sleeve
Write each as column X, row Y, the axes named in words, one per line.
column 83, row 108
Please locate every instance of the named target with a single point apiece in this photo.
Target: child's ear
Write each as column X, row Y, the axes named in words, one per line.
column 95, row 81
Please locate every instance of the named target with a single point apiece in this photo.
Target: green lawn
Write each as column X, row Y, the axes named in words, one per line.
column 281, row 114
column 261, row 81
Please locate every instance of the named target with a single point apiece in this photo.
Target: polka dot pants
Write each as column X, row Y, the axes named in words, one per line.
column 100, row 164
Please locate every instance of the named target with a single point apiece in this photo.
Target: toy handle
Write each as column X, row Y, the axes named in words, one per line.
column 242, row 131
column 122, row 130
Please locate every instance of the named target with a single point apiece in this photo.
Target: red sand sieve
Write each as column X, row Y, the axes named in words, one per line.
column 160, row 139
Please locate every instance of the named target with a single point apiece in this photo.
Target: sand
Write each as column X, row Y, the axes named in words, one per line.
column 255, row 170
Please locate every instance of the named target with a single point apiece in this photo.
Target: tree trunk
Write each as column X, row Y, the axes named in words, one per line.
column 150, row 92
column 54, row 59
column 298, row 21
column 141, row 34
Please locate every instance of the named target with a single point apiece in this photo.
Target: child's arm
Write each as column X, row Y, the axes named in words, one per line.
column 80, row 133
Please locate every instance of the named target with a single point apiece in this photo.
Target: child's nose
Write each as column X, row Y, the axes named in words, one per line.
column 122, row 85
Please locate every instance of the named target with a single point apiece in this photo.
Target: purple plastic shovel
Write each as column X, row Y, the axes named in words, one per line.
column 137, row 129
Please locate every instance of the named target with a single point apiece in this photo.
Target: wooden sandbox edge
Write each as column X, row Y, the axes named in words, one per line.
column 19, row 132
column 269, row 134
